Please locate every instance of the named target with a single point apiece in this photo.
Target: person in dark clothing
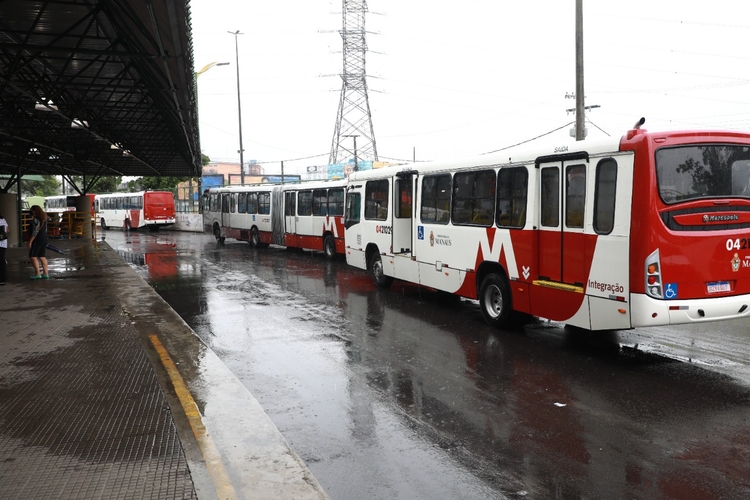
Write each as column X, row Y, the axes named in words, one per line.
column 3, row 247
column 38, row 243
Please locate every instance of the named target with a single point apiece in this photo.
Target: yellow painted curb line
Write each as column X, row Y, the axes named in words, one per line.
column 219, row 476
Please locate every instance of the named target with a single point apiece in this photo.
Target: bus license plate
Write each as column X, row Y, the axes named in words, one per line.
column 718, row 287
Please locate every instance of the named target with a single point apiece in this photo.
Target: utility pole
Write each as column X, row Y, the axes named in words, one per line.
column 580, row 105
column 239, row 105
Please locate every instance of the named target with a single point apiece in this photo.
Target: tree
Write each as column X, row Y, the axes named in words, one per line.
column 47, row 187
column 161, row 183
column 108, row 184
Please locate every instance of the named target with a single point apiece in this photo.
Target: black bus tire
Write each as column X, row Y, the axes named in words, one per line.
column 255, row 238
column 495, row 300
column 329, row 247
column 377, row 272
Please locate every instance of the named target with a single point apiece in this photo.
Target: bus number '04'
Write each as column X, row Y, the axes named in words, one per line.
column 738, row 244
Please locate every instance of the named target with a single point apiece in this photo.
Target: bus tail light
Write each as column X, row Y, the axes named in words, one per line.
column 653, row 276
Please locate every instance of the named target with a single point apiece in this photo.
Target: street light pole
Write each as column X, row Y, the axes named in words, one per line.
column 239, row 105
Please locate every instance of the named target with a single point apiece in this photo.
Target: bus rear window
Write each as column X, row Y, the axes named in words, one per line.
column 693, row 172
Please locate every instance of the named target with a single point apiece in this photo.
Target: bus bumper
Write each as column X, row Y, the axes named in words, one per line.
column 647, row 311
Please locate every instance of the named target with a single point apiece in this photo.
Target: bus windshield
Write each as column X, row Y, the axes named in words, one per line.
column 688, row 173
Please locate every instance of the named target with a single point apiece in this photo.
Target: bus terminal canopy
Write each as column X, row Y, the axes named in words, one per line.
column 97, row 87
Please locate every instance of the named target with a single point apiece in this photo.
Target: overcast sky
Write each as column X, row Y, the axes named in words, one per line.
column 449, row 79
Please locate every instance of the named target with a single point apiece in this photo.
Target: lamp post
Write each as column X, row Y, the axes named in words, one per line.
column 196, row 75
column 239, row 105
column 209, row 66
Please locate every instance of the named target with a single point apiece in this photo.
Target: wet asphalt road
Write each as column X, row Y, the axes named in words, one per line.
column 406, row 393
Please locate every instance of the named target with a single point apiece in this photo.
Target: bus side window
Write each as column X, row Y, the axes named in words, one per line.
column 353, row 207
column 264, row 203
column 474, row 198
column 320, row 202
column 575, row 195
column 304, row 203
column 604, row 196
column 512, row 193
column 376, row 200
column 252, row 203
column 242, row 203
column 436, row 199
column 550, row 197
column 336, row 202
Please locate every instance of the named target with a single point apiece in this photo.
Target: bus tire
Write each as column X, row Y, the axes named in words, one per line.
column 104, row 225
column 255, row 238
column 217, row 234
column 377, row 273
column 495, row 300
column 329, row 247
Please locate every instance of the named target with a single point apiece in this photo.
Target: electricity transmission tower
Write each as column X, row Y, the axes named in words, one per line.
column 354, row 118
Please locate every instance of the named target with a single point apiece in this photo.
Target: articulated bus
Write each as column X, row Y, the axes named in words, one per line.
column 151, row 209
column 650, row 229
column 305, row 215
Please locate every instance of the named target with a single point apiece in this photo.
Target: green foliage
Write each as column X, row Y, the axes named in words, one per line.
column 161, row 183
column 205, row 160
column 107, row 184
column 48, row 187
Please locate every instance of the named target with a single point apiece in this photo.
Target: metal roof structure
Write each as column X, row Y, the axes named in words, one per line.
column 97, row 87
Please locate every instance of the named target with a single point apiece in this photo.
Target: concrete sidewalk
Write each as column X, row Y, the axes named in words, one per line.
column 105, row 392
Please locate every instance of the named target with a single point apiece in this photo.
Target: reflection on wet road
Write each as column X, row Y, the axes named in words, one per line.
column 406, row 393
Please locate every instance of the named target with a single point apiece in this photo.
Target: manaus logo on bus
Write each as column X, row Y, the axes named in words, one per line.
column 384, row 229
column 440, row 240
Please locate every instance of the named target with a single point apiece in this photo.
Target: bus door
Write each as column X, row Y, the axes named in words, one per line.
column 404, row 230
column 224, row 209
column 290, row 214
column 562, row 201
column 402, row 215
column 355, row 249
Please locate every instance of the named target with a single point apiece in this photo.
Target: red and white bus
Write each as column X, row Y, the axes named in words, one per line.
column 151, row 209
column 302, row 215
column 650, row 229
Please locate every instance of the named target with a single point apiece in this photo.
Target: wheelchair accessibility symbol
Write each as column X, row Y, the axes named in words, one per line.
column 670, row 291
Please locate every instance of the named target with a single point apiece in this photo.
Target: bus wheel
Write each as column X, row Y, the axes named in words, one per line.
column 494, row 300
column 255, row 238
column 104, row 224
column 217, row 234
column 377, row 273
column 329, row 247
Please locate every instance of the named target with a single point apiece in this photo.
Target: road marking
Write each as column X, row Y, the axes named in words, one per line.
column 211, row 455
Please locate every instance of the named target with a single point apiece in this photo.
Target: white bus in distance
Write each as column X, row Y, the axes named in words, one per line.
column 151, row 209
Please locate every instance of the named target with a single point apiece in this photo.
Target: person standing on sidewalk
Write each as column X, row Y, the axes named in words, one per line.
column 3, row 247
column 38, row 243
